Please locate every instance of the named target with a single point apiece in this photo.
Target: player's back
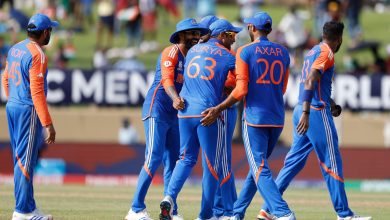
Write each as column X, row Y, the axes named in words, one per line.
column 206, row 69
column 267, row 64
column 320, row 57
column 157, row 102
column 21, row 57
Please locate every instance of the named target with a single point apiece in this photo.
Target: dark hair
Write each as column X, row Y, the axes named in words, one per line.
column 333, row 30
column 267, row 28
column 34, row 34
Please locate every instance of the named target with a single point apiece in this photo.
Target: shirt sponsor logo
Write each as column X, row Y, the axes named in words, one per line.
column 167, row 63
column 180, row 66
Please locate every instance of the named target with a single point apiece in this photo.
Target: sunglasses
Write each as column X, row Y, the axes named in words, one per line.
column 193, row 32
column 230, row 33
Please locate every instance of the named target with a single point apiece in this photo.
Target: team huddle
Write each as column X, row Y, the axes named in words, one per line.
column 190, row 106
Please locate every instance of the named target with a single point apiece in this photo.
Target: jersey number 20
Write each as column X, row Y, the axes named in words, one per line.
column 261, row 79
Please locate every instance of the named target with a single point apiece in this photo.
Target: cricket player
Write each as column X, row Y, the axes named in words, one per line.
column 314, row 124
column 25, row 86
column 159, row 114
column 205, row 72
column 226, row 193
column 262, row 70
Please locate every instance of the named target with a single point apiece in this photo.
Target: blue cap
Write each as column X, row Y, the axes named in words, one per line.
column 208, row 20
column 260, row 20
column 185, row 25
column 41, row 22
column 222, row 25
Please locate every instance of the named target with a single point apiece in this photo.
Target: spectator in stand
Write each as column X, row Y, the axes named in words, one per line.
column 324, row 11
column 248, row 8
column 50, row 10
column 105, row 12
column 189, row 8
column 11, row 3
column 127, row 133
column 205, row 7
column 292, row 28
column 353, row 9
column 129, row 14
column 86, row 8
column 100, row 60
column 334, row 9
column 170, row 6
column 149, row 25
column 60, row 59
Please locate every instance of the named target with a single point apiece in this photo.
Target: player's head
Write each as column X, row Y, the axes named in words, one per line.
column 206, row 22
column 332, row 33
column 39, row 28
column 225, row 32
column 261, row 22
column 188, row 32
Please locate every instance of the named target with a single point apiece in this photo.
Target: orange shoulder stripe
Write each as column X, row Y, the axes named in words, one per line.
column 325, row 60
column 242, row 76
column 169, row 59
column 37, row 82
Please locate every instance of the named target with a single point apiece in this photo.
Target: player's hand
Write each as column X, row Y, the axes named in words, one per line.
column 336, row 110
column 51, row 134
column 303, row 124
column 178, row 103
column 211, row 114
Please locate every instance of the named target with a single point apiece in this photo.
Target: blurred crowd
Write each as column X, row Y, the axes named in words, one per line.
column 137, row 19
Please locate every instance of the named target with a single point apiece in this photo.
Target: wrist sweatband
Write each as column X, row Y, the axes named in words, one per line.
column 307, row 95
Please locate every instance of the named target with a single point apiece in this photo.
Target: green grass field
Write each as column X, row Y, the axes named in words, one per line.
column 106, row 203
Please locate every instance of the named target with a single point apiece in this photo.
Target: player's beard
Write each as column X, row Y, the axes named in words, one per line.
column 47, row 40
column 337, row 48
column 189, row 42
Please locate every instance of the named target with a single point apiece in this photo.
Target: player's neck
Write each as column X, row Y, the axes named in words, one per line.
column 35, row 41
column 183, row 48
column 256, row 36
column 330, row 44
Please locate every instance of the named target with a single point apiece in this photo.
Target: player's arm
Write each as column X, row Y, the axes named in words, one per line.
column 320, row 64
column 241, row 89
column 5, row 79
column 37, row 87
column 306, row 97
column 168, row 64
column 230, row 82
